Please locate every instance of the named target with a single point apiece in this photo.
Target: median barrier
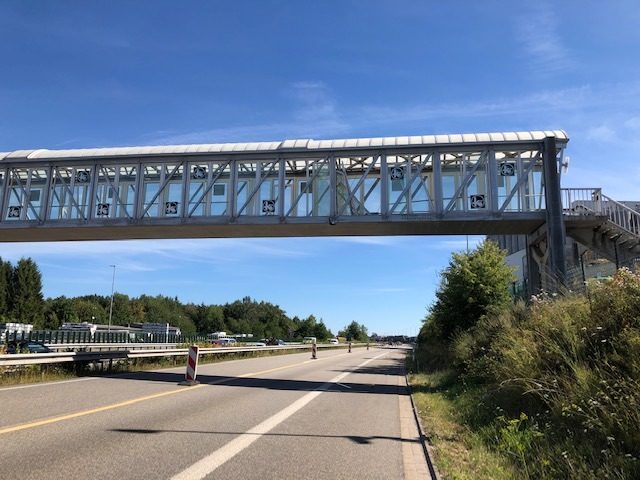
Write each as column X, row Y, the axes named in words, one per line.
column 7, row 360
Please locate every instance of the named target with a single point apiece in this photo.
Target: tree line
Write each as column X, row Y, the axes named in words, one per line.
column 22, row 301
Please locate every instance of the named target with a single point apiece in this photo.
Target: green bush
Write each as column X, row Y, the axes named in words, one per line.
column 555, row 385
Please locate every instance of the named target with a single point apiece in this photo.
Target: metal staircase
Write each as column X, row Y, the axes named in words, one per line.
column 615, row 234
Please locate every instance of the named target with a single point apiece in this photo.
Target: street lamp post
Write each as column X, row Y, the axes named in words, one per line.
column 113, row 281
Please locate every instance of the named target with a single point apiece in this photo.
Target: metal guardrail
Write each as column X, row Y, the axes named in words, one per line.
column 99, row 337
column 93, row 347
column 7, row 360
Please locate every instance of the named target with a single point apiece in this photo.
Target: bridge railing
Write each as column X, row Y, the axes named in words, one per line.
column 591, row 201
column 582, row 201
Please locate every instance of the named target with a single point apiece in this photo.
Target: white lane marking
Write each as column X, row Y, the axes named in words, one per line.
column 46, row 384
column 210, row 463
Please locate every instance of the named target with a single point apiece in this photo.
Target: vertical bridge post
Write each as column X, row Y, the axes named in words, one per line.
column 555, row 220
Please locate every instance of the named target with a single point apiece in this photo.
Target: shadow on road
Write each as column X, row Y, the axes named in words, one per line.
column 361, row 440
column 394, row 369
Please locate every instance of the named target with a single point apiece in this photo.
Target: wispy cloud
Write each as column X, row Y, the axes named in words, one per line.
column 126, row 253
column 633, row 123
column 314, row 114
column 544, row 50
column 71, row 27
column 243, row 133
column 272, row 132
column 573, row 99
column 317, row 114
column 314, row 101
column 385, row 290
column 601, row 133
column 459, row 243
column 381, row 241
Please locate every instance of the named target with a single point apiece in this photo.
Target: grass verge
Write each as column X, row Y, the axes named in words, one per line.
column 458, row 451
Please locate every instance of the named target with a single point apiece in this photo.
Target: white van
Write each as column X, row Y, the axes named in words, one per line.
column 309, row 340
column 225, row 342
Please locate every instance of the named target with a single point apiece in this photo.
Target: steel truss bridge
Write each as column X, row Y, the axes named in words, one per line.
column 495, row 184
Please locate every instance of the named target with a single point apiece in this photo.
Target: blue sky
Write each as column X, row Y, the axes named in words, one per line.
column 83, row 74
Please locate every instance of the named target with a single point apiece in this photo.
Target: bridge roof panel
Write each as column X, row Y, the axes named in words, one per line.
column 297, row 144
column 446, row 138
column 469, row 138
column 300, row 143
column 499, row 137
column 524, row 136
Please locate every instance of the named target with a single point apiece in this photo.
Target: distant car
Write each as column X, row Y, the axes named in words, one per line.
column 225, row 342
column 334, row 341
column 27, row 346
column 271, row 341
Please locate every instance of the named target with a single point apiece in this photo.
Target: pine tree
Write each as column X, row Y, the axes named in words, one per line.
column 26, row 294
column 5, row 287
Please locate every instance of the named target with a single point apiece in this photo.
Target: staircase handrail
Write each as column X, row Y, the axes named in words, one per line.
column 591, row 201
column 623, row 216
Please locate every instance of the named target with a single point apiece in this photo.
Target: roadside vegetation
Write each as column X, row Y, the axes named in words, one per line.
column 543, row 389
column 22, row 301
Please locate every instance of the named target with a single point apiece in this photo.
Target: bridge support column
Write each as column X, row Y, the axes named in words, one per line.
column 555, row 220
column 537, row 256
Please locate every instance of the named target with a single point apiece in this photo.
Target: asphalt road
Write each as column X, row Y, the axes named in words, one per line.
column 342, row 415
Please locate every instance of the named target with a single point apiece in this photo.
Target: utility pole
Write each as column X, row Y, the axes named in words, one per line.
column 113, row 281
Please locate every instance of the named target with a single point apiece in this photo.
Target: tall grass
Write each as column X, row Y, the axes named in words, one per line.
column 554, row 385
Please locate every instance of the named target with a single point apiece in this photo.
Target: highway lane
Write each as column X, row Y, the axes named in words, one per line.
column 276, row 417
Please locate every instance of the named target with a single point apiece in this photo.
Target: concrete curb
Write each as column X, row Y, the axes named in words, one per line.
column 433, row 471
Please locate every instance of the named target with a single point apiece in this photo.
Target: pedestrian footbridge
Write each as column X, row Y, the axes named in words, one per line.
column 492, row 183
